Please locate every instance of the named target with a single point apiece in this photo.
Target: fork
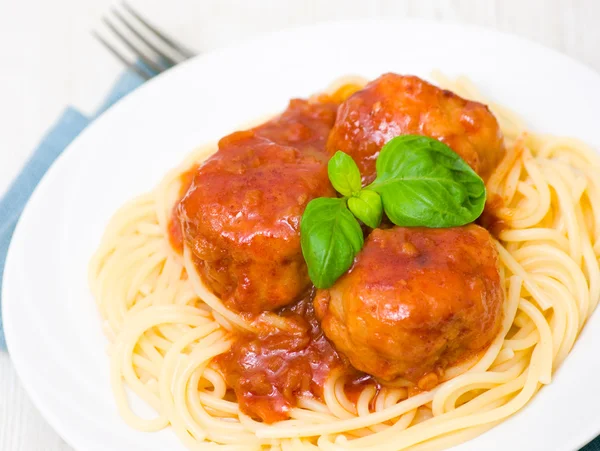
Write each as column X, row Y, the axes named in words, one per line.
column 153, row 51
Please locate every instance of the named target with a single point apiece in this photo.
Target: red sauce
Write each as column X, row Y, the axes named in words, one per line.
column 489, row 219
column 269, row 371
column 174, row 225
column 175, row 233
column 355, row 386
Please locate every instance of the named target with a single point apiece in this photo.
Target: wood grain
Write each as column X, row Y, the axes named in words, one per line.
column 50, row 61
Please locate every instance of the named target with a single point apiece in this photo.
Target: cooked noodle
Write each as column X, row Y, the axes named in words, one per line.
column 165, row 326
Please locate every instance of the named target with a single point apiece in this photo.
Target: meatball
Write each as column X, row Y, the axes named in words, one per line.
column 415, row 301
column 241, row 215
column 304, row 125
column 395, row 105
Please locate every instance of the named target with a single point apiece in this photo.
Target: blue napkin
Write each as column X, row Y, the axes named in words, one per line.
column 65, row 130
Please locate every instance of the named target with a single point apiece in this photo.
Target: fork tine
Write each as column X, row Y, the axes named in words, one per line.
column 130, row 65
column 182, row 50
column 163, row 56
column 139, row 53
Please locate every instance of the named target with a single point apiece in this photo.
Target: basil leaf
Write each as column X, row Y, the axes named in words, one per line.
column 330, row 237
column 367, row 207
column 422, row 182
column 344, row 174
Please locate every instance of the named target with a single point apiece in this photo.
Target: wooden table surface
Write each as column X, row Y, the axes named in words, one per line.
column 49, row 60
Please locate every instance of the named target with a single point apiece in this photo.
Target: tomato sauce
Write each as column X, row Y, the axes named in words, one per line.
column 269, row 371
column 489, row 219
column 174, row 225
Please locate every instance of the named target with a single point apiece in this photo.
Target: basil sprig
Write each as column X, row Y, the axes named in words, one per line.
column 420, row 182
column 366, row 205
column 343, row 173
column 330, row 237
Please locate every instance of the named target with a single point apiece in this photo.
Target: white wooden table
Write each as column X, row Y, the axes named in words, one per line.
column 49, row 60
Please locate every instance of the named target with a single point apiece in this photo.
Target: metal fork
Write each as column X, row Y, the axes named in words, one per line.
column 153, row 51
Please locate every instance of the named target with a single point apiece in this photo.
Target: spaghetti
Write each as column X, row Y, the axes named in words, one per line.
column 166, row 327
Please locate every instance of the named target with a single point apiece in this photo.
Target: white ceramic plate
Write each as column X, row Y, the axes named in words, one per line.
column 52, row 326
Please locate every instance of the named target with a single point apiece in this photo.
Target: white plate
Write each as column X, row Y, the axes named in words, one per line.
column 52, row 326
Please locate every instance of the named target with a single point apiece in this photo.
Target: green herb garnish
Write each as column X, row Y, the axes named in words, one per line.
column 420, row 182
column 331, row 237
column 367, row 207
column 344, row 174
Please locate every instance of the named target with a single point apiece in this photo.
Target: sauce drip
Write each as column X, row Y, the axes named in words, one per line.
column 269, row 371
column 489, row 219
column 174, row 225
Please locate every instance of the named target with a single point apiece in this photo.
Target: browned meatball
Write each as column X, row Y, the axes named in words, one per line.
column 241, row 214
column 415, row 301
column 395, row 105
